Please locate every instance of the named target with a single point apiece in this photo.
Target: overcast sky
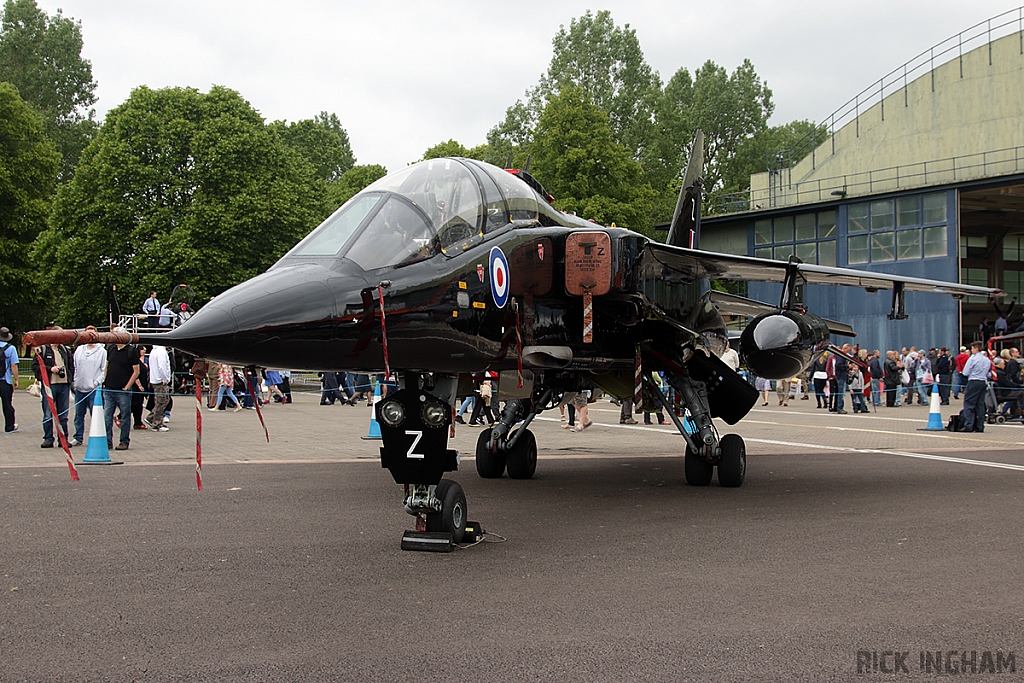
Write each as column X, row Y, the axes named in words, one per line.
column 403, row 76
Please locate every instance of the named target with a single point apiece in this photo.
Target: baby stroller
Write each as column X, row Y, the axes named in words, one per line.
column 1003, row 404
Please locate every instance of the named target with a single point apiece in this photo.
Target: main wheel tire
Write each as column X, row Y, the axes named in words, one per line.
column 522, row 459
column 698, row 470
column 732, row 467
column 488, row 465
column 452, row 517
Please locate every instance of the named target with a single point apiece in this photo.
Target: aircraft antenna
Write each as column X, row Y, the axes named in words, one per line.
column 527, row 167
column 508, row 161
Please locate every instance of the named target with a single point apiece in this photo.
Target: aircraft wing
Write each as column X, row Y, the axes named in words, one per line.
column 715, row 266
column 734, row 304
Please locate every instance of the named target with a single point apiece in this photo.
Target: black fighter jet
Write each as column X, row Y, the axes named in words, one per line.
column 454, row 266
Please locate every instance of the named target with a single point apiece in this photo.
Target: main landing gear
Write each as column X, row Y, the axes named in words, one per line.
column 501, row 448
column 701, row 384
column 731, row 464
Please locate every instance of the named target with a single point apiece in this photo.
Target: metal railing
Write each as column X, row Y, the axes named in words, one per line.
column 1006, row 161
column 952, row 48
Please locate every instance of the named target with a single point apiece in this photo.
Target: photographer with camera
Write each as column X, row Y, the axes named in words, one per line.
column 60, row 366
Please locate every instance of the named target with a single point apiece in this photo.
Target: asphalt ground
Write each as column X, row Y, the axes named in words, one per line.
column 853, row 536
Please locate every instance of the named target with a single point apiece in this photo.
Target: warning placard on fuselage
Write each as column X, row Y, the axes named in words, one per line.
column 588, row 263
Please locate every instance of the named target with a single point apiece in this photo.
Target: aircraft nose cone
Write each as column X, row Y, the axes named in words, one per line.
column 206, row 332
column 286, row 317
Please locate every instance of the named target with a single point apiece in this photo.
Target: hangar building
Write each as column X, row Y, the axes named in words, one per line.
column 921, row 174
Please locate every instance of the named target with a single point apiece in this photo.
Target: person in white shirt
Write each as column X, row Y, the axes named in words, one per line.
column 90, row 362
column 166, row 316
column 731, row 358
column 160, row 379
column 977, row 370
column 151, row 307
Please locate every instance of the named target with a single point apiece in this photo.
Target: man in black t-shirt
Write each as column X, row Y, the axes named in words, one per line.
column 122, row 371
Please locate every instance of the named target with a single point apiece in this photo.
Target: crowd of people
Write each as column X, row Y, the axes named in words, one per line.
column 903, row 377
column 122, row 373
column 345, row 388
column 136, row 383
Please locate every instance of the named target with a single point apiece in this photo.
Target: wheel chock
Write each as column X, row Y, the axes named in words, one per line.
column 428, row 541
column 474, row 532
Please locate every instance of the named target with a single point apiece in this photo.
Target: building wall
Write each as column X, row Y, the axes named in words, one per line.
column 910, row 138
column 726, row 239
column 873, row 196
column 934, row 319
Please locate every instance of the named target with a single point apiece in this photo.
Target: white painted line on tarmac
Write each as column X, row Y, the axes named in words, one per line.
column 904, row 454
column 847, row 449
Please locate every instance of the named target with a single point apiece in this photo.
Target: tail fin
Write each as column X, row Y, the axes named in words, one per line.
column 685, row 228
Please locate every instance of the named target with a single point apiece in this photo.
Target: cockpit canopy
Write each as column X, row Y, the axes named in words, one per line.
column 433, row 207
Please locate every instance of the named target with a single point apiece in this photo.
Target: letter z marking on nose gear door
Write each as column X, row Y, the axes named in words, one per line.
column 411, row 454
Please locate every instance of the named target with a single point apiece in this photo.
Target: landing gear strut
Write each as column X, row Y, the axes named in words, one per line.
column 704, row 449
column 501, row 447
column 414, row 430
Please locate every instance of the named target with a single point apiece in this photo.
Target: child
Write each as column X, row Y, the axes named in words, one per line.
column 857, row 389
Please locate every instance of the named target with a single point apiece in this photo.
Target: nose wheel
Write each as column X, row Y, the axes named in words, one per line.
column 451, row 518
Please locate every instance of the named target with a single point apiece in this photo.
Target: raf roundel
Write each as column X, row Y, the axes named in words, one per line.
column 499, row 277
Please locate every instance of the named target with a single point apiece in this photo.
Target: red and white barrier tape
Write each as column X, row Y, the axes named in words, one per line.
column 588, row 318
column 638, row 379
column 199, row 434
column 55, row 422
column 256, row 403
column 384, row 333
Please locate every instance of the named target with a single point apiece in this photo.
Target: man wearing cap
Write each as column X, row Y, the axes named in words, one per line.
column 8, row 378
column 59, row 366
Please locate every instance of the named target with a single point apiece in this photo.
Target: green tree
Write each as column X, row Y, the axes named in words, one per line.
column 666, row 156
column 731, row 109
column 28, row 166
column 792, row 140
column 511, row 137
column 606, row 62
column 452, row 148
column 322, row 142
column 42, row 57
column 577, row 158
column 178, row 186
column 354, row 180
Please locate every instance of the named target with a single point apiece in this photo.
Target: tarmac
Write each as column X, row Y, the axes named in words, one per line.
column 858, row 545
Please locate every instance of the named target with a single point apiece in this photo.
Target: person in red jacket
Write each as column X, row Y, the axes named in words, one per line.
column 959, row 381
